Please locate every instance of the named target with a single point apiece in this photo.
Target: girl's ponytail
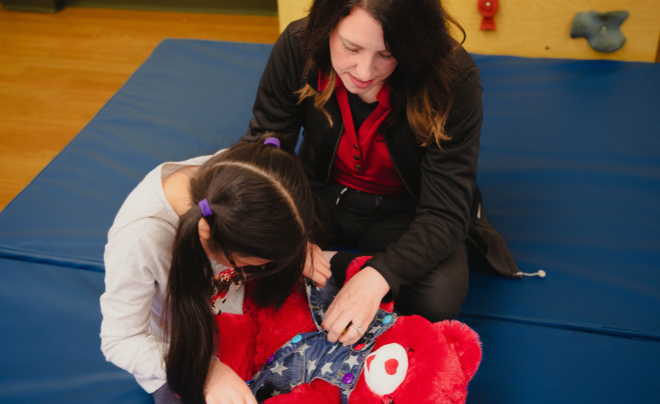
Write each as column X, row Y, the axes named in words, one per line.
column 193, row 327
column 262, row 206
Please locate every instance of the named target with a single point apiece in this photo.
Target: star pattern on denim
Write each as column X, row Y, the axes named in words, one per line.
column 352, row 361
column 303, row 348
column 317, row 355
column 326, row 368
column 280, row 368
column 333, row 348
column 311, row 366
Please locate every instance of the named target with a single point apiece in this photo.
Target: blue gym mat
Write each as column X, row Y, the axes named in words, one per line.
column 569, row 169
column 51, row 351
column 190, row 98
column 570, row 172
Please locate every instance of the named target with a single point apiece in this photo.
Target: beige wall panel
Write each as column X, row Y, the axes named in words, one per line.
column 291, row 10
column 540, row 28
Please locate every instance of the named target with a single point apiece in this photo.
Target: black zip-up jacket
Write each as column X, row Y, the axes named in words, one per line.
column 442, row 180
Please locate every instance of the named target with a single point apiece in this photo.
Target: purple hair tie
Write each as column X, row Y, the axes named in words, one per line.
column 272, row 141
column 206, row 208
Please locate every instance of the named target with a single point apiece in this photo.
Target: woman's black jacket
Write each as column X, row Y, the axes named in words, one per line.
column 442, row 180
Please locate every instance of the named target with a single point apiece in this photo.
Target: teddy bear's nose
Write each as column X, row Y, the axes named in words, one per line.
column 390, row 366
column 386, row 369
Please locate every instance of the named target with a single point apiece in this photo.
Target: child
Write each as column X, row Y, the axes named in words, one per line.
column 191, row 231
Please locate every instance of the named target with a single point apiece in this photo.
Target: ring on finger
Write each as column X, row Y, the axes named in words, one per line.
column 357, row 327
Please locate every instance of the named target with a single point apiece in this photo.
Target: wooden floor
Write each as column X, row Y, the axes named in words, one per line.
column 58, row 70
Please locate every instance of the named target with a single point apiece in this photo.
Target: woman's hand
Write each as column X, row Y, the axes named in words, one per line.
column 357, row 303
column 224, row 386
column 319, row 272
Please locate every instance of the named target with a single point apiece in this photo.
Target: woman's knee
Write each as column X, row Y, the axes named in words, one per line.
column 432, row 308
column 440, row 293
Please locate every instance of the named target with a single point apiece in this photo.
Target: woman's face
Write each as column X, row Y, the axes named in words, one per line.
column 359, row 55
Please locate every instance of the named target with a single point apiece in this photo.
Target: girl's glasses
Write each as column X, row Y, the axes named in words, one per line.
column 246, row 272
column 236, row 275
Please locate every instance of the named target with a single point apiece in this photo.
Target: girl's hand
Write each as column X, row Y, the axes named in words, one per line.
column 224, row 386
column 357, row 303
column 319, row 272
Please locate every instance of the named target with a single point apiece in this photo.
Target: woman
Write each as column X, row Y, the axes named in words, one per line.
column 182, row 240
column 391, row 109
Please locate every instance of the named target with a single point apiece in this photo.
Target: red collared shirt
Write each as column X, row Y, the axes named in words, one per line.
column 363, row 161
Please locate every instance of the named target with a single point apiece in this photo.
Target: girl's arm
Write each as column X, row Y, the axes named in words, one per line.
column 136, row 275
column 224, row 386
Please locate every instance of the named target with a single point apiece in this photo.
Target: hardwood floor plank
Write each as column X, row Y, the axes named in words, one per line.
column 58, row 70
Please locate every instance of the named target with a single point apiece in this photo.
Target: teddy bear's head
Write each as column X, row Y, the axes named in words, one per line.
column 417, row 361
column 420, row 362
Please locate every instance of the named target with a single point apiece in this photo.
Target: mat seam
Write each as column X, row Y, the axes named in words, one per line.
column 98, row 266
column 592, row 329
column 52, row 259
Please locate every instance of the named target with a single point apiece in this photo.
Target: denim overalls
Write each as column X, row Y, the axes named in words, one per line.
column 310, row 355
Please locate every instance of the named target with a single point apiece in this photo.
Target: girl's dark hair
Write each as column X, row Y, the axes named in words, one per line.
column 262, row 207
column 418, row 36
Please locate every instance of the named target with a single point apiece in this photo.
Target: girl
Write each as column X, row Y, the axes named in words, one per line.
column 391, row 109
column 188, row 232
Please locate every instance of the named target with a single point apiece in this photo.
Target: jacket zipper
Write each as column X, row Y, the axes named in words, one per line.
column 334, row 154
column 387, row 144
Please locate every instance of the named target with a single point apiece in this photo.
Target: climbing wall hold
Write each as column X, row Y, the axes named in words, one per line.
column 602, row 30
column 488, row 9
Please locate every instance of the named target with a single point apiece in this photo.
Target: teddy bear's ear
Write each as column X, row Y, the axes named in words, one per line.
column 465, row 342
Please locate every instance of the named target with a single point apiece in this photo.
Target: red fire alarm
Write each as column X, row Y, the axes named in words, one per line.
column 488, row 9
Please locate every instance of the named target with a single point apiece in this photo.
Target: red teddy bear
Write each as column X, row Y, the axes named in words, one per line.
column 413, row 361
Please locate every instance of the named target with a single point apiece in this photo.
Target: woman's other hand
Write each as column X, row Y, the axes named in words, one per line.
column 357, row 303
column 317, row 267
column 224, row 386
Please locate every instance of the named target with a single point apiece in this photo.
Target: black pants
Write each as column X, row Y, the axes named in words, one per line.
column 369, row 223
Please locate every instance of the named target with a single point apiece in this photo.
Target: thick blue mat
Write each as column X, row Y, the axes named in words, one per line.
column 51, row 352
column 569, row 169
column 527, row 364
column 51, row 320
column 189, row 98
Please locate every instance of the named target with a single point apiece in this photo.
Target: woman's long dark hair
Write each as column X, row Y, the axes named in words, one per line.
column 418, row 36
column 262, row 207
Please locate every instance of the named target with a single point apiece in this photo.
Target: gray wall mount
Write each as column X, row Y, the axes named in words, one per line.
column 602, row 30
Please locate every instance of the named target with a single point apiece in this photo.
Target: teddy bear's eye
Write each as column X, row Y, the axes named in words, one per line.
column 386, row 369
